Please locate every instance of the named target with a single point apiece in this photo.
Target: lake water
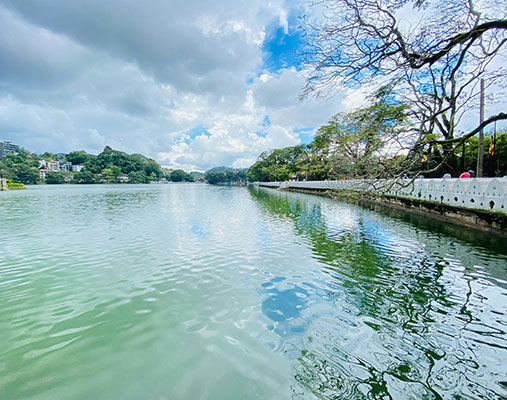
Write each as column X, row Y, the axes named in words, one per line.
column 189, row 291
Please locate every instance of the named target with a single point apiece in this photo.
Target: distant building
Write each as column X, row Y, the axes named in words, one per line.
column 52, row 166
column 77, row 168
column 43, row 172
column 60, row 156
column 8, row 148
column 56, row 166
column 64, row 166
column 123, row 178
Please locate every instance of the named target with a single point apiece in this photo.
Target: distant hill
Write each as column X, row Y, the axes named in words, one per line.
column 226, row 169
column 226, row 175
column 196, row 175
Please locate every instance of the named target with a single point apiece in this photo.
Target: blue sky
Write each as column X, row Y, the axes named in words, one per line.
column 281, row 45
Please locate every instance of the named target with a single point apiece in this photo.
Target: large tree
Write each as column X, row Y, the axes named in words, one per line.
column 363, row 142
column 432, row 53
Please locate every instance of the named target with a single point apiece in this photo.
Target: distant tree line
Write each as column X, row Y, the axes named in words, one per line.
column 110, row 166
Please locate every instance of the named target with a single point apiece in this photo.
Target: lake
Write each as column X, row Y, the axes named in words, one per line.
column 191, row 291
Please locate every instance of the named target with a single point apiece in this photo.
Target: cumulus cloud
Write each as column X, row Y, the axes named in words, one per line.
column 143, row 76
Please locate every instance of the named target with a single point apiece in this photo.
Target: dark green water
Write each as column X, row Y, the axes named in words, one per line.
column 201, row 292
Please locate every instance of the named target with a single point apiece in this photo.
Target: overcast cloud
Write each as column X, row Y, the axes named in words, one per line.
column 192, row 84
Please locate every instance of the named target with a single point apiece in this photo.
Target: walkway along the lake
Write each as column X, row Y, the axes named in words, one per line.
column 478, row 202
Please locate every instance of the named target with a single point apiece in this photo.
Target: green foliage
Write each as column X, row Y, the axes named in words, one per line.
column 225, row 175
column 107, row 175
column 20, row 167
column 495, row 165
column 14, row 185
column 76, row 157
column 138, row 177
column 54, row 178
column 179, row 175
column 103, row 168
column 280, row 164
column 47, row 156
column 83, row 176
column 151, row 168
column 110, row 164
column 350, row 144
column 197, row 176
column 25, row 173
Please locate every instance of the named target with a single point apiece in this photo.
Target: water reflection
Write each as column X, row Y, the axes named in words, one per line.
column 406, row 318
column 284, row 307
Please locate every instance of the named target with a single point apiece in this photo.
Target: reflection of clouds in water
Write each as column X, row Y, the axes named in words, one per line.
column 284, row 308
column 199, row 230
column 340, row 220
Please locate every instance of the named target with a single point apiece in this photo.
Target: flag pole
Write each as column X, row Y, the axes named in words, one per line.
column 480, row 153
column 495, row 167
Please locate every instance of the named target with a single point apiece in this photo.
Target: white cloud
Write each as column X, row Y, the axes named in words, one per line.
column 145, row 79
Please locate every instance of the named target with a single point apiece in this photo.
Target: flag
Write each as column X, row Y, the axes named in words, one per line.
column 304, row 172
column 330, row 170
column 491, row 151
column 424, row 159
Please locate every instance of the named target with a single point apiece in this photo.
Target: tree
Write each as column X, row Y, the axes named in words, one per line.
column 360, row 143
column 26, row 174
column 108, row 175
column 134, row 162
column 152, row 167
column 77, row 157
column 47, row 156
column 138, row 177
column 178, row 175
column 92, row 165
column 494, row 165
column 54, row 178
column 434, row 66
column 225, row 175
column 279, row 164
column 84, row 177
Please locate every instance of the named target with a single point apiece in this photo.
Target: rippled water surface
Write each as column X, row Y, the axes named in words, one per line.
column 198, row 292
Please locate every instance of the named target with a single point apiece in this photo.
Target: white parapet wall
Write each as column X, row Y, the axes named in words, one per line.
column 474, row 193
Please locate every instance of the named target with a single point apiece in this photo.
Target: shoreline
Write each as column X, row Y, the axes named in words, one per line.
column 491, row 222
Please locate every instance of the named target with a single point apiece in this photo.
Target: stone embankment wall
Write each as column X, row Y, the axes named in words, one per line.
column 488, row 194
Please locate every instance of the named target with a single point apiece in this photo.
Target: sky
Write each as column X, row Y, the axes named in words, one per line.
column 193, row 85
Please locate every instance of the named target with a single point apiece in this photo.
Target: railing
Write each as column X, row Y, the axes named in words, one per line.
column 479, row 193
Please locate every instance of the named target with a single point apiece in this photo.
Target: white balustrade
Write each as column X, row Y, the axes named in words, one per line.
column 479, row 193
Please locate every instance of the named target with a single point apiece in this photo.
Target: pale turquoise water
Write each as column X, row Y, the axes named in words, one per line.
column 200, row 292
